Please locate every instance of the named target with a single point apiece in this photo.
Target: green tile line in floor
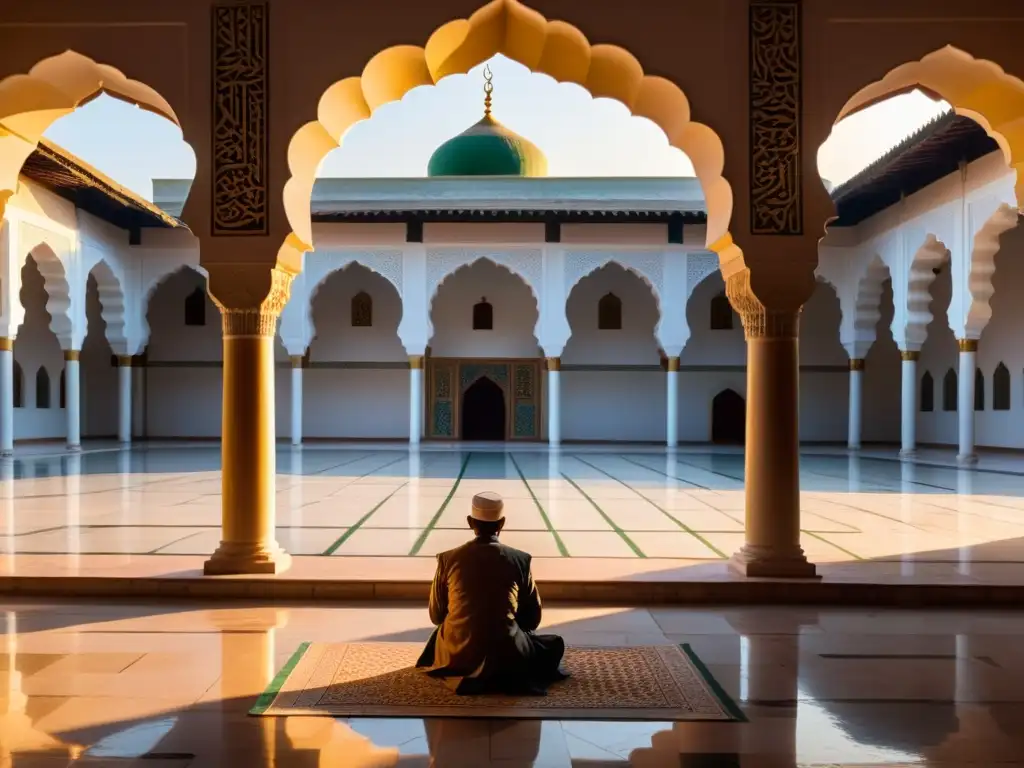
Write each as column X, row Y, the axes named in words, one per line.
column 440, row 510
column 367, row 474
column 622, row 534
column 663, row 473
column 359, row 523
column 333, row 466
column 658, row 507
column 844, row 550
column 562, row 550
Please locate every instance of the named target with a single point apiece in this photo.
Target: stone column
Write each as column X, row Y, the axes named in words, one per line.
column 965, row 400
column 248, row 544
column 296, row 430
column 908, row 431
column 554, row 401
column 856, row 403
column 672, row 402
column 124, row 399
column 772, row 545
column 415, row 399
column 72, row 399
column 6, row 396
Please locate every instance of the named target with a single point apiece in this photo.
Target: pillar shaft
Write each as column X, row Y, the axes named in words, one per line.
column 415, row 399
column 772, row 450
column 965, row 401
column 853, row 434
column 248, row 446
column 908, row 431
column 6, row 397
column 72, row 399
column 554, row 401
column 672, row 403
column 296, row 410
column 124, row 398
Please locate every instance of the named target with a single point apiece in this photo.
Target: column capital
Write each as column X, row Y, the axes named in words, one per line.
column 6, row 344
column 967, row 345
column 856, row 363
column 296, row 360
column 759, row 321
column 554, row 363
column 672, row 364
column 125, row 361
column 250, row 298
column 415, row 362
column 72, row 355
column 910, row 355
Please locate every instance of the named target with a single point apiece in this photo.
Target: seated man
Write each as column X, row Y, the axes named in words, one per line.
column 486, row 607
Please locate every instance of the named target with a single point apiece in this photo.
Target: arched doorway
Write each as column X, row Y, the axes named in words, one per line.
column 728, row 418
column 483, row 411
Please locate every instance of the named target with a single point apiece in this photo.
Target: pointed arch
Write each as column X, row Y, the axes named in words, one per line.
column 483, row 315
column 112, row 305
column 609, row 313
column 58, row 290
column 553, row 48
column 722, row 315
column 42, row 388
column 927, row 397
column 950, row 392
column 361, row 310
column 979, row 390
column 1001, row 388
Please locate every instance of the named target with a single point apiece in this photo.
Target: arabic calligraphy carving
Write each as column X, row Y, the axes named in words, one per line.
column 776, row 204
column 240, row 74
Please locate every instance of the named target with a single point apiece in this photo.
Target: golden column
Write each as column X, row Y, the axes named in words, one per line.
column 772, row 477
column 248, row 435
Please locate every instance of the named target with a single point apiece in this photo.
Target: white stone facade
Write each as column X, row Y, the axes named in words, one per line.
column 914, row 278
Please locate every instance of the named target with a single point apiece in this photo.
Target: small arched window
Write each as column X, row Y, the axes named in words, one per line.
column 949, row 391
column 61, row 403
column 19, row 386
column 721, row 313
column 609, row 313
column 979, row 390
column 1001, row 388
column 362, row 310
column 483, row 316
column 927, row 393
column 42, row 388
column 195, row 307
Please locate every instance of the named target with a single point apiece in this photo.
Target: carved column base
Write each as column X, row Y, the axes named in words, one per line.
column 238, row 557
column 772, row 563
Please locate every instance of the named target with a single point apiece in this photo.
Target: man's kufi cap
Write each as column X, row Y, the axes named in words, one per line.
column 487, row 507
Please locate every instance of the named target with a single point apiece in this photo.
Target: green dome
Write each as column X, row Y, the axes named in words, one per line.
column 487, row 149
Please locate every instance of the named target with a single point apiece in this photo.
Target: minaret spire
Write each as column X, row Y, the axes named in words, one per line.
column 488, row 90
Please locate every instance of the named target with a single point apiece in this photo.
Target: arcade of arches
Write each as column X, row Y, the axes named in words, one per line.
column 762, row 216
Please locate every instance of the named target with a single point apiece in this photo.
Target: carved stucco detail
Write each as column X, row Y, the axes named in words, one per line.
column 256, row 317
column 920, row 277
column 759, row 322
column 527, row 263
column 50, row 251
column 322, row 264
column 649, row 266
column 698, row 267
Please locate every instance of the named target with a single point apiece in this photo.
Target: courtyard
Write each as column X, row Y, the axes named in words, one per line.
column 584, row 512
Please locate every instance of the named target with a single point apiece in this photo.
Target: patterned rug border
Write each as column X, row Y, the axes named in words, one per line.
column 265, row 703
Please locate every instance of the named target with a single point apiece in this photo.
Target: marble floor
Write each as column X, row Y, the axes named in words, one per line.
column 637, row 505
column 168, row 685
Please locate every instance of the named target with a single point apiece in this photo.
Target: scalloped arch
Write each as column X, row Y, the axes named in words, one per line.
column 341, row 267
column 976, row 88
column 554, row 48
column 920, row 277
column 633, row 270
column 58, row 291
column 868, row 299
column 501, row 265
column 112, row 304
column 980, row 286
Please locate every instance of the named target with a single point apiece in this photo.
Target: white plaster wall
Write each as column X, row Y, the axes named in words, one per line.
column 36, row 347
column 515, row 314
column 824, row 394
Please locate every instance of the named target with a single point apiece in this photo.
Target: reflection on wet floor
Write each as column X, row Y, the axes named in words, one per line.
column 583, row 502
column 170, row 685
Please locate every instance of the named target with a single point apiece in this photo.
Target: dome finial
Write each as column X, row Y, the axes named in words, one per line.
column 488, row 90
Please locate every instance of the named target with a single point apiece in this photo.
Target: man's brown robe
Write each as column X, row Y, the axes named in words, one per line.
column 486, row 607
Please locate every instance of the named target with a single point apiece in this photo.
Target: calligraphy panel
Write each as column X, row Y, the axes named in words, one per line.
column 776, row 203
column 240, row 113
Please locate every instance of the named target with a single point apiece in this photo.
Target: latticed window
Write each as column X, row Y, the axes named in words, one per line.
column 721, row 313
column 362, row 310
column 949, row 391
column 195, row 307
column 1001, row 388
column 609, row 313
column 42, row 388
column 979, row 390
column 483, row 316
column 927, row 393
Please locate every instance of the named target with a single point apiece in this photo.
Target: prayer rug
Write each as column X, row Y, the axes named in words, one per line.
column 650, row 682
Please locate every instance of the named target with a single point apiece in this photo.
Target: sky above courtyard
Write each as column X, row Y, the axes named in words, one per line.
column 580, row 136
